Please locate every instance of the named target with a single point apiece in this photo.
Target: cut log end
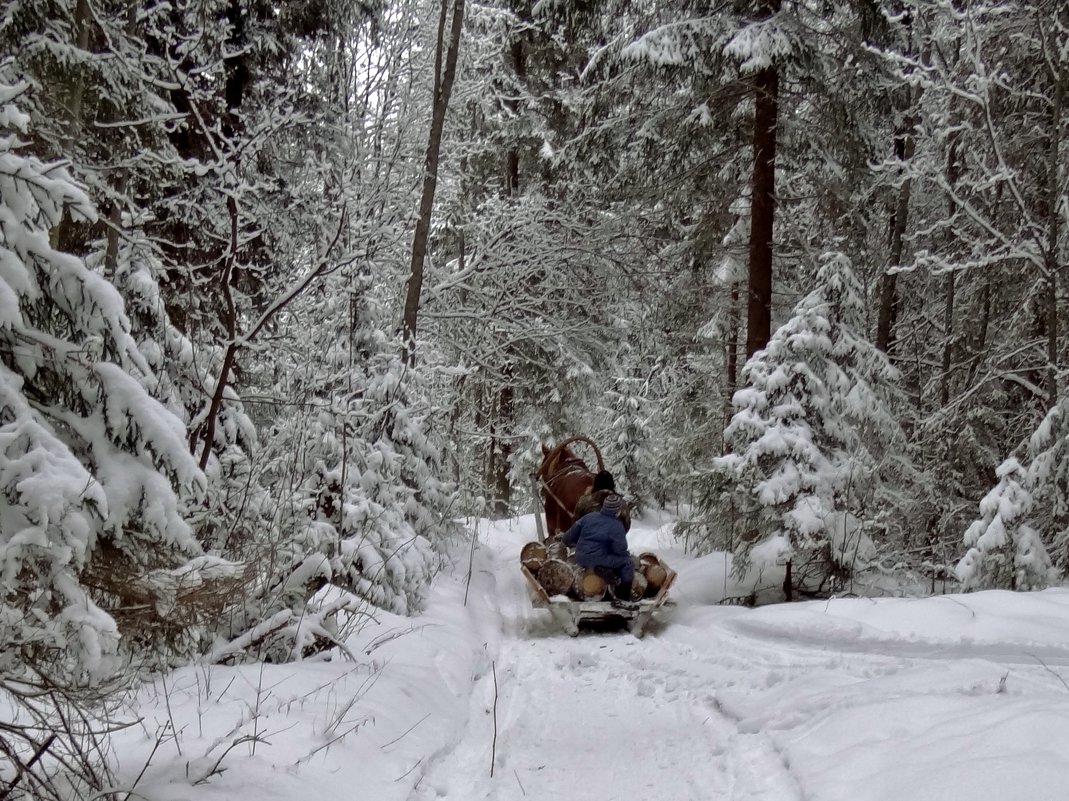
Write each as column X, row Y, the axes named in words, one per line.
column 590, row 586
column 556, row 576
column 639, row 586
column 533, row 556
column 655, row 574
column 556, row 549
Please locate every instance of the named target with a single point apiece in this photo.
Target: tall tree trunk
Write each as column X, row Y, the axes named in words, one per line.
column 62, row 235
column 502, row 453
column 505, row 413
column 1051, row 256
column 731, row 357
column 763, row 200
column 512, row 157
column 904, row 147
column 445, row 68
column 949, row 288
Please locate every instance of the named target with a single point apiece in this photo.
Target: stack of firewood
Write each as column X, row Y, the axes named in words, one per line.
column 553, row 565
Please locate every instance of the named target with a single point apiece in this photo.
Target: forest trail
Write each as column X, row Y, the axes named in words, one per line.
column 606, row 716
column 923, row 698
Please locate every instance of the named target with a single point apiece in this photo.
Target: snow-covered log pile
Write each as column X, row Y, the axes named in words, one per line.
column 553, row 565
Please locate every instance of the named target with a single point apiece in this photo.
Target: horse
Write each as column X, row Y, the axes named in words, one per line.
column 565, row 478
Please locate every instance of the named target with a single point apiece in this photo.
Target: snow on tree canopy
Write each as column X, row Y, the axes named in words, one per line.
column 85, row 453
column 814, row 427
column 1047, row 476
column 760, row 44
column 1005, row 549
column 679, row 43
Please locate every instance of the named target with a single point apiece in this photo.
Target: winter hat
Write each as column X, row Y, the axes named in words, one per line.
column 604, row 480
column 612, row 504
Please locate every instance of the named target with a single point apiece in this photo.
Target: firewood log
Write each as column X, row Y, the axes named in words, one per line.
column 639, row 585
column 655, row 574
column 556, row 549
column 533, row 556
column 556, row 576
column 589, row 586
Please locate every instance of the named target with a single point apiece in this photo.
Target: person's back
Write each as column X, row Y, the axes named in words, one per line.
column 596, row 535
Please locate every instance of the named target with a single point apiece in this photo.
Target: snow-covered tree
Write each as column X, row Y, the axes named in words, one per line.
column 97, row 560
column 1047, row 475
column 814, row 435
column 93, row 470
column 1005, row 549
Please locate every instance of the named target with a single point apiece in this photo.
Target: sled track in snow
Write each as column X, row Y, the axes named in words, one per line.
column 606, row 717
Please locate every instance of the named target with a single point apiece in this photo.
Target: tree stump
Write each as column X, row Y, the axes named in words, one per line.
column 533, row 555
column 589, row 585
column 556, row 576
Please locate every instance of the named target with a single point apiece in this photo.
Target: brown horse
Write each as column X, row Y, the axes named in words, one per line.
column 564, row 478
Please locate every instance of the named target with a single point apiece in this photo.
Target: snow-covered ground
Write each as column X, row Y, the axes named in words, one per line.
column 954, row 697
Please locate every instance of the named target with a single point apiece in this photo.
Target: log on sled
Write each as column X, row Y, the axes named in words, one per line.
column 570, row 614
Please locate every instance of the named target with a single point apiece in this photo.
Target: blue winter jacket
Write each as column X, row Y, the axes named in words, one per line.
column 600, row 541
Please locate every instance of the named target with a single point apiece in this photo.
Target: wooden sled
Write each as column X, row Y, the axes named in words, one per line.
column 569, row 614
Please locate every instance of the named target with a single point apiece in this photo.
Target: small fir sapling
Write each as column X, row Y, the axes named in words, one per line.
column 1005, row 550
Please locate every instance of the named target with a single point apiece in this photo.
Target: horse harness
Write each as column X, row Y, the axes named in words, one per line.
column 568, row 468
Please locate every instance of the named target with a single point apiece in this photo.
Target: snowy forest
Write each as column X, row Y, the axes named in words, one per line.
column 292, row 289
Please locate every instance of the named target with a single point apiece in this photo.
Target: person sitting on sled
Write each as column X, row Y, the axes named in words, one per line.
column 600, row 542
column 604, row 486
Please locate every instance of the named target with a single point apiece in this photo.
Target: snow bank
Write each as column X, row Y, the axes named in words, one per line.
column 363, row 730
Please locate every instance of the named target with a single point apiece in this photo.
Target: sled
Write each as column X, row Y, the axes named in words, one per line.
column 570, row 614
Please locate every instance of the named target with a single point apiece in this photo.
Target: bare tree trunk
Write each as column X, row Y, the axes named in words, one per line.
column 763, row 201
column 512, row 158
column 731, row 358
column 948, row 338
column 62, row 234
column 949, row 288
column 505, row 412
column 904, row 145
column 889, row 285
column 230, row 355
column 445, row 68
column 502, row 455
column 1051, row 256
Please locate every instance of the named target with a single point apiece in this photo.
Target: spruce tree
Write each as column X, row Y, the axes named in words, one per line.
column 816, row 446
column 1005, row 549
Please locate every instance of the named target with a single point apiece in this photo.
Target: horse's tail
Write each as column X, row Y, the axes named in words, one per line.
column 551, row 458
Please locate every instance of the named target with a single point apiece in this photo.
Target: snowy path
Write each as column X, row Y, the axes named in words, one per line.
column 956, row 698
column 723, row 703
column 605, row 716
